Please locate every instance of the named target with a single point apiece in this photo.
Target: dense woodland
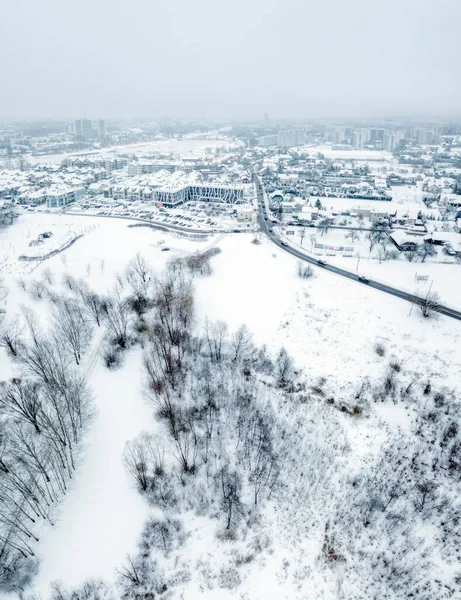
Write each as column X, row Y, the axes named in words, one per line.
column 245, row 441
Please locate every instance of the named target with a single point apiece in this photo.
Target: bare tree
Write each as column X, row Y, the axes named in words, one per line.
column 230, row 487
column 324, row 225
column 135, row 459
column 118, row 319
column 284, row 367
column 72, row 330
column 411, row 254
column 21, row 399
column 37, row 290
column 241, row 343
column 424, row 250
column 69, row 281
column 48, row 276
column 381, row 250
column 352, row 235
column 216, row 335
column 302, row 234
column 428, row 302
column 305, row 271
column 10, row 338
column 94, row 305
column 138, row 274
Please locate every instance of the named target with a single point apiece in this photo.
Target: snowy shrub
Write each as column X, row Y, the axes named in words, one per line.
column 48, row 276
column 161, row 535
column 141, row 577
column 139, row 304
column 112, row 358
column 380, row 349
column 69, row 282
column 304, row 271
column 284, row 369
column 37, row 290
column 16, row 568
column 229, row 578
column 90, row 590
column 395, row 365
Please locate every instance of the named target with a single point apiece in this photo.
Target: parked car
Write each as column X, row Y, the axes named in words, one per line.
column 165, row 249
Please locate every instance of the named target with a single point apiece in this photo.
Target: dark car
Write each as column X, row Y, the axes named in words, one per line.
column 363, row 279
column 322, row 262
column 265, row 218
column 237, row 231
column 165, row 249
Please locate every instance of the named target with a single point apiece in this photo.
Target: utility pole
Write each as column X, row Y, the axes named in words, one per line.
column 430, row 287
column 358, row 262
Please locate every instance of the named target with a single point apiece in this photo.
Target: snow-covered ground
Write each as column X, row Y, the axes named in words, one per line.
column 329, row 324
column 442, row 272
column 190, row 147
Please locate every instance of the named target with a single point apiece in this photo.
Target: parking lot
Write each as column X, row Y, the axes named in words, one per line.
column 192, row 215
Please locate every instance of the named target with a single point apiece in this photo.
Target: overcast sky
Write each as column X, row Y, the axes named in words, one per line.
column 229, row 58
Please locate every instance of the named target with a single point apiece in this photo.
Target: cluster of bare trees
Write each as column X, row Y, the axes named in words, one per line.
column 220, row 448
column 304, row 270
column 421, row 252
column 43, row 413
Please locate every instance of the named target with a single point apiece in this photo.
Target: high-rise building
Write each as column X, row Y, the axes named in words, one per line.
column 266, row 120
column 291, row 137
column 83, row 129
column 101, row 129
column 389, row 141
column 357, row 141
column 377, row 135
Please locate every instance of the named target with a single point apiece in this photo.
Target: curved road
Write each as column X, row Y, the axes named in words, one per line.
column 264, row 223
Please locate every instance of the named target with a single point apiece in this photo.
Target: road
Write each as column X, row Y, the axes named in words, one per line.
column 264, row 221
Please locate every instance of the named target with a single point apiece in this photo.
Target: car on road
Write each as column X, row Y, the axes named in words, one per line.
column 271, row 230
column 284, row 243
column 237, row 231
column 363, row 279
column 321, row 262
column 265, row 218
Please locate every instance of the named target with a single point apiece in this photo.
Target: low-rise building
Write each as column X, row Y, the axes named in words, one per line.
column 60, row 196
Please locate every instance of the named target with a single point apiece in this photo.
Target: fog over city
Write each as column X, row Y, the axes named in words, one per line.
column 235, row 60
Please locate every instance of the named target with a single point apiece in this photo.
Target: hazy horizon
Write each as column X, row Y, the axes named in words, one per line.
column 232, row 62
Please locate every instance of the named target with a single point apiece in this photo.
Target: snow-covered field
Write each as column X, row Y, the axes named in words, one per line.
column 188, row 147
column 440, row 272
column 358, row 155
column 328, row 324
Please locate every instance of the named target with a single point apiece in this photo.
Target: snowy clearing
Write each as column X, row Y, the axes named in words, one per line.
column 329, row 325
